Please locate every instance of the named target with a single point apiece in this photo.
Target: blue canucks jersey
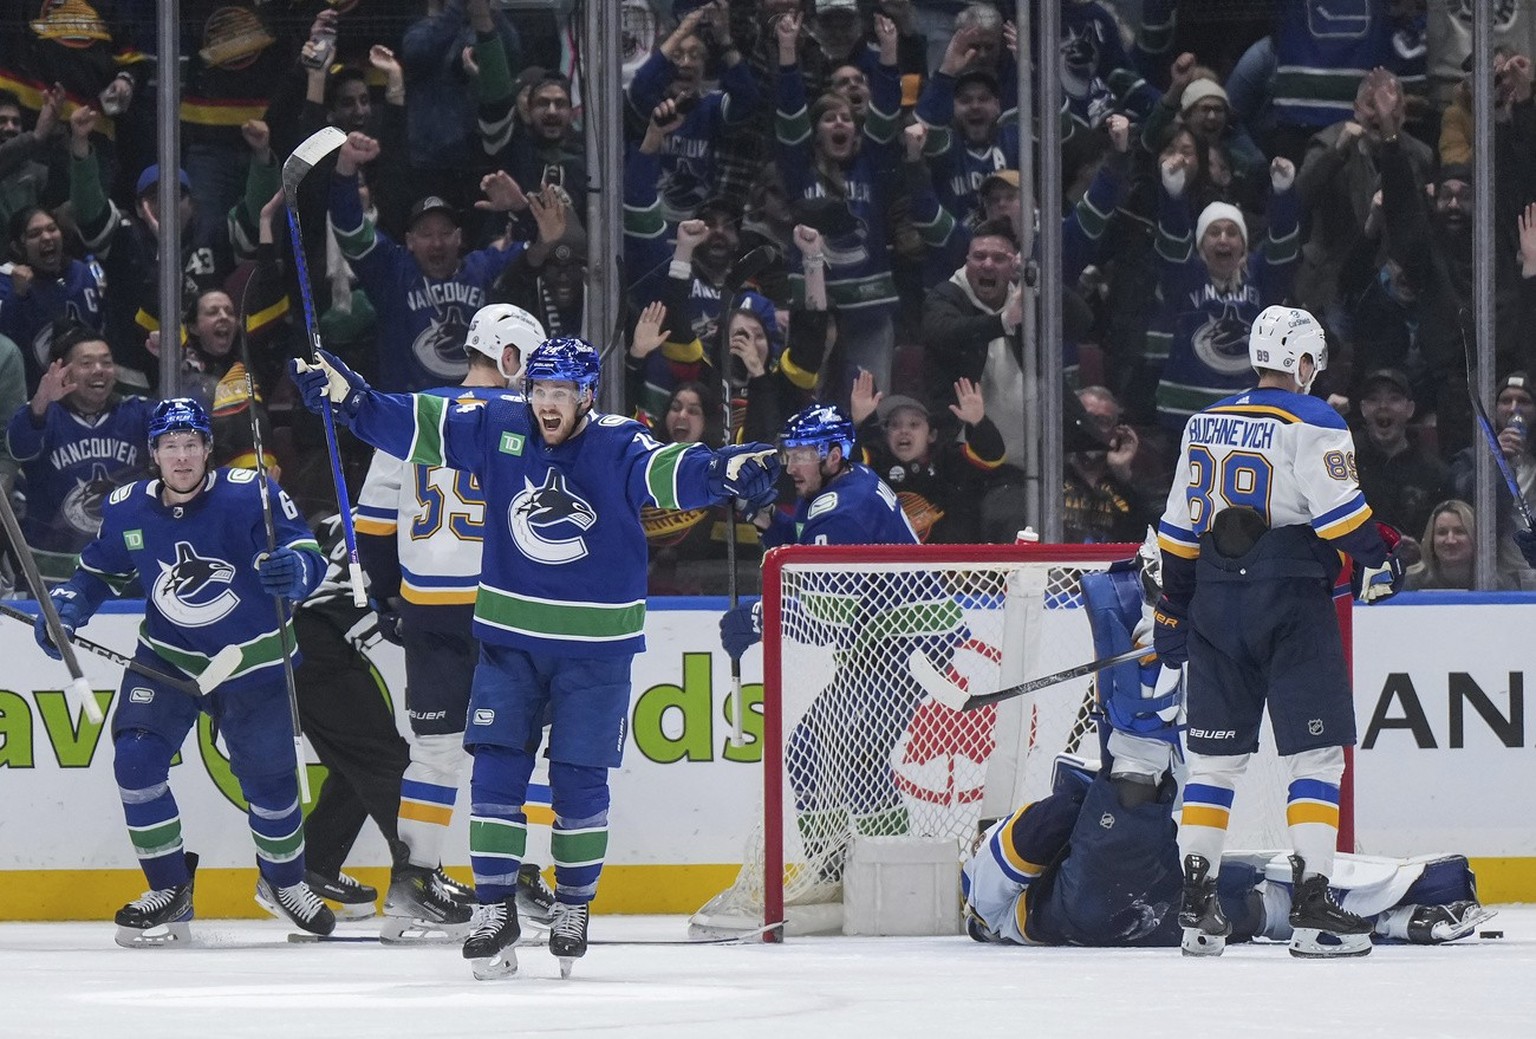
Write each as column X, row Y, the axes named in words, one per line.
column 27, row 320
column 855, row 509
column 197, row 562
column 71, row 463
column 564, row 553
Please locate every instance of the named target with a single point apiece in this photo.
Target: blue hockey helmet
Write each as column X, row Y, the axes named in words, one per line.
column 819, row 426
column 176, row 415
column 564, row 359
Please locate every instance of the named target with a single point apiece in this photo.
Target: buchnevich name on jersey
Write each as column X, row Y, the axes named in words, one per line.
column 445, row 293
column 1230, row 431
column 95, row 449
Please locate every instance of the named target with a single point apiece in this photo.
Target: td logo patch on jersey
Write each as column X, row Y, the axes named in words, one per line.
column 194, row 591
column 537, row 512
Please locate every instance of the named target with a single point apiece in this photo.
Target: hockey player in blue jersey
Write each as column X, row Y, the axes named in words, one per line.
column 845, row 503
column 560, row 609
column 196, row 538
column 1264, row 501
column 1096, row 862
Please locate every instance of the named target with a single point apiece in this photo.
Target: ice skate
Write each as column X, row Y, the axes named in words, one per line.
column 158, row 917
column 568, row 935
column 1205, row 926
column 354, row 900
column 535, row 901
column 298, row 904
column 1436, row 925
column 419, row 908
column 1320, row 928
column 489, row 947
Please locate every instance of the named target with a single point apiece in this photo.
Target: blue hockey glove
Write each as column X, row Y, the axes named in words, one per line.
column 747, row 471
column 328, row 380
column 283, row 573
column 391, row 624
column 1170, row 632
column 741, row 627
column 1375, row 583
column 1525, row 540
column 69, row 618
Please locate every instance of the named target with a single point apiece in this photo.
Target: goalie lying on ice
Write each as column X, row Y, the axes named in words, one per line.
column 1096, row 862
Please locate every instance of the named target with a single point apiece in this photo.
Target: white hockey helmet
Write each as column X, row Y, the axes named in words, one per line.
column 500, row 325
column 1279, row 339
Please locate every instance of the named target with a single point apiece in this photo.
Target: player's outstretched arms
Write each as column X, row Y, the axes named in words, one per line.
column 746, row 471
column 328, row 382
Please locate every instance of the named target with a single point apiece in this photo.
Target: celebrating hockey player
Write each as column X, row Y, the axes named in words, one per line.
column 560, row 610
column 844, row 503
column 420, row 528
column 1264, row 499
column 1096, row 862
column 196, row 538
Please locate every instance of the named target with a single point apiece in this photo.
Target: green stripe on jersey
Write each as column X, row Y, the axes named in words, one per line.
column 557, row 619
column 427, row 443
column 661, row 475
column 263, row 651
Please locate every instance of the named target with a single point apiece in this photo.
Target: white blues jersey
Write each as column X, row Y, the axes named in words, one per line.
column 1289, row 457
column 436, row 516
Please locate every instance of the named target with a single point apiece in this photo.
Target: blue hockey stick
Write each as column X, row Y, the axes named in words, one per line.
column 304, row 158
column 1480, row 414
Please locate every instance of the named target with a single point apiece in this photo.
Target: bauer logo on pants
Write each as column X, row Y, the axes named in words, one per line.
column 484, row 716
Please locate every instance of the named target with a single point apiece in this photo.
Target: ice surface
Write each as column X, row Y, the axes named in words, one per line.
column 243, row 978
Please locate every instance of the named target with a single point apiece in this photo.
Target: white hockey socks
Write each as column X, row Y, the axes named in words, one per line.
column 1208, row 797
column 428, row 790
column 1312, row 806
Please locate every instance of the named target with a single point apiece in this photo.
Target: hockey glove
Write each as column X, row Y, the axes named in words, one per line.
column 283, row 573
column 69, row 619
column 1375, row 583
column 1170, row 632
column 328, row 380
column 747, row 471
column 741, row 627
column 1525, row 540
column 391, row 624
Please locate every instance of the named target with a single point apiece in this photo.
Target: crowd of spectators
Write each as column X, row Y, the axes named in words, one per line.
column 1219, row 156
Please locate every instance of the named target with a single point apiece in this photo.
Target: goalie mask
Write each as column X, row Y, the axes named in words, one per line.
column 500, row 325
column 1281, row 337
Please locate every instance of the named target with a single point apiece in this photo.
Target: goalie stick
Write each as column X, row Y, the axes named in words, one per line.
column 220, row 666
column 747, row 266
column 78, row 692
column 295, row 168
column 937, row 685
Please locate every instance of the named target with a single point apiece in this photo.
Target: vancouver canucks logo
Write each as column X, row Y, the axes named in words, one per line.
column 536, row 513
column 194, row 591
column 81, row 506
column 440, row 348
column 1221, row 343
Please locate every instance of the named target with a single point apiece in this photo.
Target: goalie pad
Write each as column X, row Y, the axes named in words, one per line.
column 1141, row 699
column 1369, row 884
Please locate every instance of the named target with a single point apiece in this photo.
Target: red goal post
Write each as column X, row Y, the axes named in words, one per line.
column 983, row 583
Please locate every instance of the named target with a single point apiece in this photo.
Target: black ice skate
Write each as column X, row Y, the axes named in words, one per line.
column 419, row 908
column 489, row 947
column 535, row 901
column 1320, row 928
column 1205, row 925
column 298, row 904
column 568, row 935
column 354, row 899
column 158, row 917
column 1436, row 925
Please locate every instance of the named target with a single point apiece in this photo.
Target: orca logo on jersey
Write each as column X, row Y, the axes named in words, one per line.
column 194, row 591
column 440, row 347
column 535, row 510
column 1221, row 343
column 81, row 507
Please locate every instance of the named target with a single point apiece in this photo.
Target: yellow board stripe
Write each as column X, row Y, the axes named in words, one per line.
column 1206, row 815
column 418, row 812
column 1299, row 812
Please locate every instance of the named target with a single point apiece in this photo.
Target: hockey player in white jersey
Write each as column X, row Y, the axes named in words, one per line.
column 420, row 529
column 1264, row 501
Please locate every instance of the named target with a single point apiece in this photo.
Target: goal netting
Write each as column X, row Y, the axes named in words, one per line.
column 853, row 746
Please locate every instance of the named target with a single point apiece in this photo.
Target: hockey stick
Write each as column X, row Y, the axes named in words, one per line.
column 297, row 166
column 946, row 692
column 746, row 267
column 220, row 666
column 78, row 693
column 1491, row 438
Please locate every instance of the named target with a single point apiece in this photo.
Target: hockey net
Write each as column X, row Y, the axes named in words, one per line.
column 854, row 747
